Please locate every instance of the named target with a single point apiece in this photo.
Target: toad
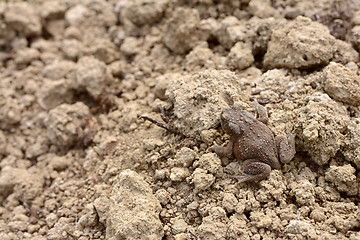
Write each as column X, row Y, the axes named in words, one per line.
column 252, row 142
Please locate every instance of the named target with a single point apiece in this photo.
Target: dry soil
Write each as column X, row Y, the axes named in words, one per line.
column 77, row 162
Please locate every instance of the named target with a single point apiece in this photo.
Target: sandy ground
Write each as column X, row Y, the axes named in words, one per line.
column 77, row 162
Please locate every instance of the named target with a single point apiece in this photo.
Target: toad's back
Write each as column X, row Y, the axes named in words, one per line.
column 257, row 142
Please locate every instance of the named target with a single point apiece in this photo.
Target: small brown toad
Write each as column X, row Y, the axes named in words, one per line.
column 252, row 142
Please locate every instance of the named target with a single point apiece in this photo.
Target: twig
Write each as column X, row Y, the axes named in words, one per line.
column 159, row 124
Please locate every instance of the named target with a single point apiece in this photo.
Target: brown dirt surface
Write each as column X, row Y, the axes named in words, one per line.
column 78, row 162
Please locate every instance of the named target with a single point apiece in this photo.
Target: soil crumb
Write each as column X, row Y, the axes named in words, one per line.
column 78, row 162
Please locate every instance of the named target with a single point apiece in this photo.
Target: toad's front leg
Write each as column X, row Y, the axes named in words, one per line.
column 261, row 114
column 222, row 150
column 254, row 170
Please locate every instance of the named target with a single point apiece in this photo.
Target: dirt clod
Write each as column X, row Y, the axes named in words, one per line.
column 288, row 49
column 108, row 110
column 122, row 223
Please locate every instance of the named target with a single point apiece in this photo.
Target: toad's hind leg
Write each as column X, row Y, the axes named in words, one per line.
column 286, row 147
column 254, row 170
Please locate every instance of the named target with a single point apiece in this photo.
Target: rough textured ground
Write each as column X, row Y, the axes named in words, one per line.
column 77, row 162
